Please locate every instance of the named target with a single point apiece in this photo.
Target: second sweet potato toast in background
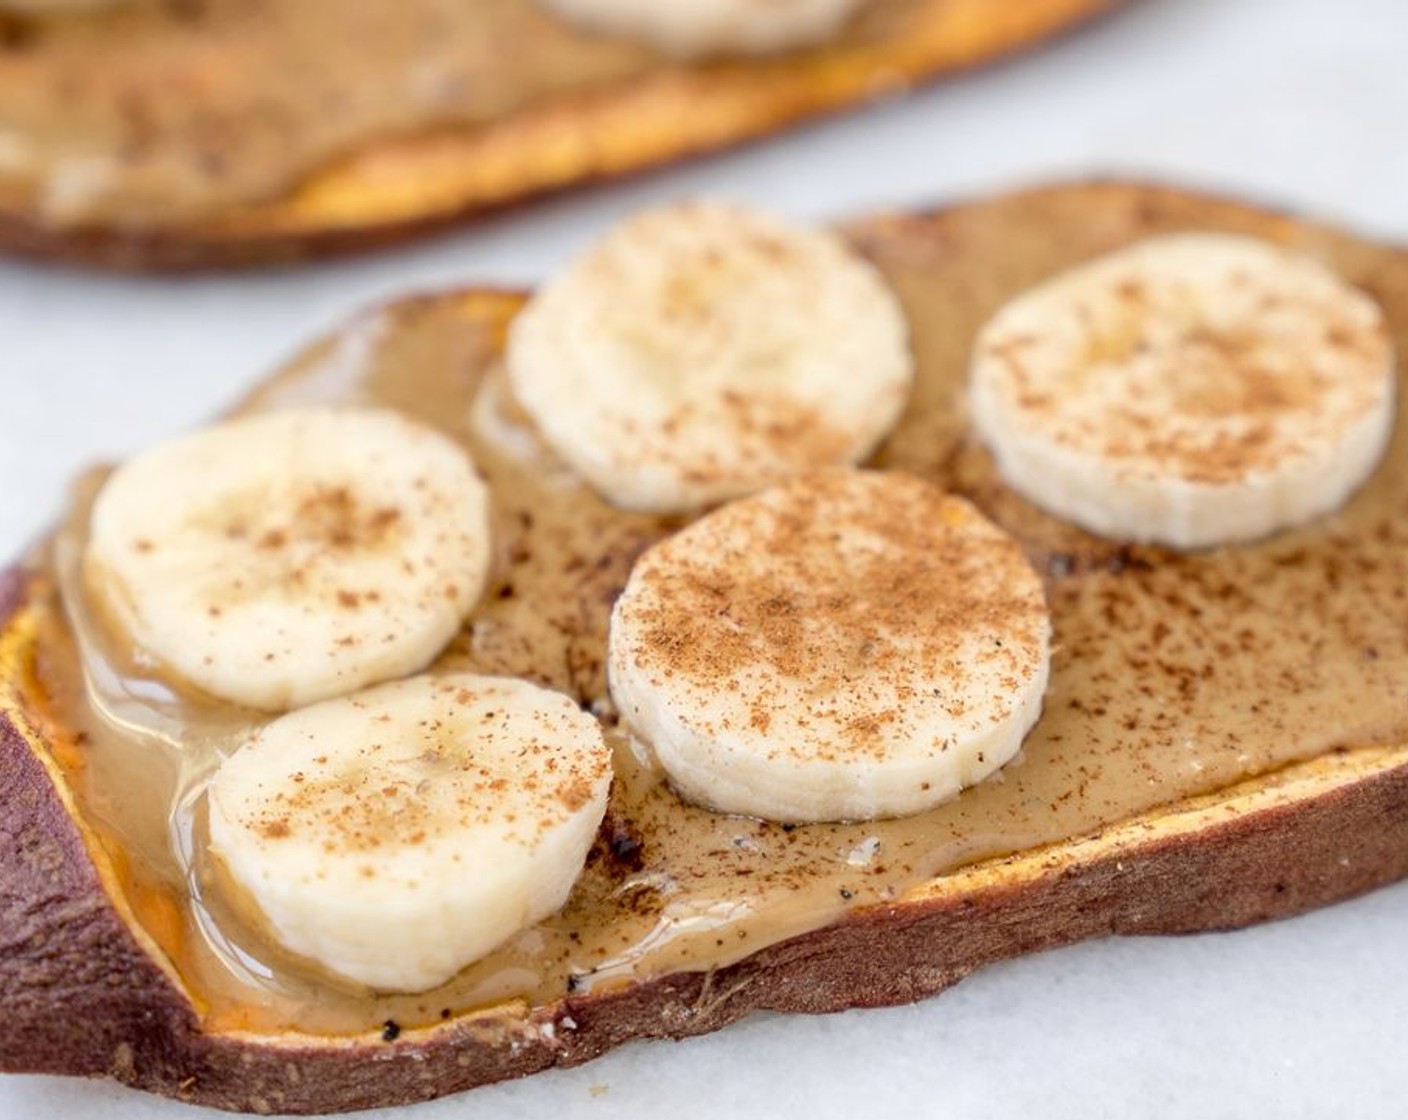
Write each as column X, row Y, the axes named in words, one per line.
column 139, row 134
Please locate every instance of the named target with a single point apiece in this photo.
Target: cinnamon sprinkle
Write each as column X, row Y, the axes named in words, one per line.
column 838, row 581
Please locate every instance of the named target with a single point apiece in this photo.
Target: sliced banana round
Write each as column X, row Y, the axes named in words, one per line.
column 691, row 28
column 702, row 351
column 846, row 646
column 396, row 835
column 1193, row 390
column 282, row 558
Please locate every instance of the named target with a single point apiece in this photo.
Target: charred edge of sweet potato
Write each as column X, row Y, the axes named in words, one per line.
column 280, row 234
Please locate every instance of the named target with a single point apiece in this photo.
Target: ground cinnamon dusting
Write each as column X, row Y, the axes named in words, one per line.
column 837, row 580
column 1210, row 376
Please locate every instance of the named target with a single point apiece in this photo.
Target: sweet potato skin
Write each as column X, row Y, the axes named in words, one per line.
column 399, row 188
column 80, row 994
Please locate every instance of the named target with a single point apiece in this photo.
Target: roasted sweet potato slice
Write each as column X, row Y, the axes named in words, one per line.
column 1317, row 812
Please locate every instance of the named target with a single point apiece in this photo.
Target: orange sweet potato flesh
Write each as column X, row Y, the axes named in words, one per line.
column 393, row 188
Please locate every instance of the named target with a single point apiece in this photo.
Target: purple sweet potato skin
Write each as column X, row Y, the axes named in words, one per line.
column 79, row 994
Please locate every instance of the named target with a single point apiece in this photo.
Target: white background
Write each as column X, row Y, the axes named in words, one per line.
column 1297, row 102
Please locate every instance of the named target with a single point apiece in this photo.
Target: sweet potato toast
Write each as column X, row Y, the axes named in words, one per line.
column 208, row 187
column 1223, row 741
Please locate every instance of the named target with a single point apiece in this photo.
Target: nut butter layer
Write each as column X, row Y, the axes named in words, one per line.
column 1220, row 730
column 162, row 136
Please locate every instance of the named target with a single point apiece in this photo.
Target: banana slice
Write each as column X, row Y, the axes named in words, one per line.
column 701, row 352
column 1193, row 390
column 847, row 646
column 691, row 28
column 395, row 835
column 283, row 558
